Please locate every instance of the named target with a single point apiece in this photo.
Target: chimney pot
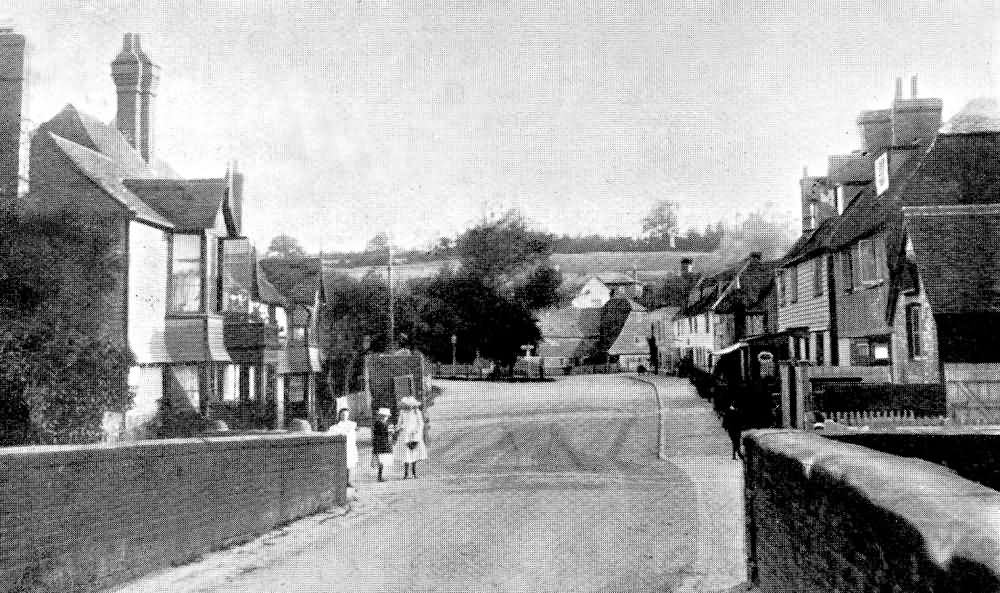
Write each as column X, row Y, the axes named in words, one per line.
column 899, row 88
column 913, row 86
column 805, row 170
column 756, row 255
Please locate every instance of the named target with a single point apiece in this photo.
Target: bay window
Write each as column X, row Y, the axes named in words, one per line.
column 186, row 274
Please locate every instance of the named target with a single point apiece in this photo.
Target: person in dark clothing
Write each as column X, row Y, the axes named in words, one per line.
column 733, row 423
column 382, row 433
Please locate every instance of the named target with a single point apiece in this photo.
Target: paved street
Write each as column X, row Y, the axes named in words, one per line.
column 530, row 487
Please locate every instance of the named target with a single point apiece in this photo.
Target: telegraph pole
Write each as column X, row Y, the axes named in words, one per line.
column 392, row 301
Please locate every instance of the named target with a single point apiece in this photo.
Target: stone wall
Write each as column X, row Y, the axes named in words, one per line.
column 81, row 518
column 829, row 516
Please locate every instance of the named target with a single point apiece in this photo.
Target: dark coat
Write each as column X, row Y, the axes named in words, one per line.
column 733, row 423
column 381, row 441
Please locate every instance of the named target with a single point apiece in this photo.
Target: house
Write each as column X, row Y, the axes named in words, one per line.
column 861, row 275
column 943, row 304
column 569, row 336
column 166, row 303
column 807, row 297
column 661, row 330
column 298, row 367
column 598, row 289
column 255, row 331
column 724, row 310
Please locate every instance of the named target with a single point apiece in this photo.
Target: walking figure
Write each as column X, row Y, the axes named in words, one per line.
column 410, row 447
column 733, row 423
column 349, row 429
column 382, row 441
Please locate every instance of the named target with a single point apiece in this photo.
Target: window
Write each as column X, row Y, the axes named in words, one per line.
column 186, row 275
column 296, row 388
column 793, row 284
column 847, row 268
column 697, row 323
column 819, row 273
column 820, row 349
column 690, row 324
column 870, row 351
column 869, row 265
column 913, row 331
column 782, row 288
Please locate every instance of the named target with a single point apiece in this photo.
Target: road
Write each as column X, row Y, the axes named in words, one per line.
column 530, row 487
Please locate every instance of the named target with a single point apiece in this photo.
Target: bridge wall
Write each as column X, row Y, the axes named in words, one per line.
column 823, row 515
column 80, row 518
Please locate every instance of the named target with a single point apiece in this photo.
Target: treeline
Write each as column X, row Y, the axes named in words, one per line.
column 692, row 240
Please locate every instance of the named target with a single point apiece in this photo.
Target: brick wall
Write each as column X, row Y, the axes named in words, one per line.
column 829, row 516
column 81, row 518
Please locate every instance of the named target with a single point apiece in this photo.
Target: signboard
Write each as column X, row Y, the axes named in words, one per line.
column 882, row 173
column 766, row 360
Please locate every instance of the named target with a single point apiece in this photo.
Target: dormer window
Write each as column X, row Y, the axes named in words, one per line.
column 187, row 273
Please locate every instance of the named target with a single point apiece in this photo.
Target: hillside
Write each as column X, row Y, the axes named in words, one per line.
column 650, row 264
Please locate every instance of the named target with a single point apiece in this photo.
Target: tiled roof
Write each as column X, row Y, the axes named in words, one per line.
column 106, row 174
column 298, row 278
column 267, row 292
column 86, row 130
column 191, row 204
column 856, row 167
column 632, row 337
column 957, row 256
column 570, row 322
column 866, row 213
column 810, row 243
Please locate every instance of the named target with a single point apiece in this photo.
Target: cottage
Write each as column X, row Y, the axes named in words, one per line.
column 166, row 304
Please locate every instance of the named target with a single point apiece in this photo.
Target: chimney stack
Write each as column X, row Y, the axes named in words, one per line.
column 234, row 191
column 136, row 78
column 913, row 86
column 899, row 88
column 12, row 74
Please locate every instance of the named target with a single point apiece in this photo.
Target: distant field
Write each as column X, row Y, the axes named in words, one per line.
column 667, row 262
column 652, row 263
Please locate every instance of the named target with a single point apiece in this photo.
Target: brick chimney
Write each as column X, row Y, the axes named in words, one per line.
column 12, row 75
column 875, row 130
column 136, row 78
column 816, row 206
column 914, row 120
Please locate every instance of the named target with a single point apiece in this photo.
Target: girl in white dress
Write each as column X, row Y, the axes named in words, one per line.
column 349, row 429
column 410, row 447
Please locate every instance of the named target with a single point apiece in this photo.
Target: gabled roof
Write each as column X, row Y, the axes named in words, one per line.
column 89, row 132
column 748, row 287
column 866, row 213
column 267, row 292
column 106, row 173
column 811, row 243
column 191, row 204
column 957, row 252
column 298, row 278
column 570, row 322
column 636, row 328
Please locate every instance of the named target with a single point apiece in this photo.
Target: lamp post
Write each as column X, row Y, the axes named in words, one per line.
column 454, row 341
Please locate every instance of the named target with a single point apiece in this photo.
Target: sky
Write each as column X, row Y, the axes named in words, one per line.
column 419, row 118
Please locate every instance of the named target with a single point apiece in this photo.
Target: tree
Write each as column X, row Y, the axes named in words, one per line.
column 661, row 222
column 285, row 246
column 377, row 243
column 496, row 251
column 61, row 364
column 763, row 231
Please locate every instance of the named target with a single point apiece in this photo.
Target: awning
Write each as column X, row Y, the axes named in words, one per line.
column 294, row 360
column 728, row 349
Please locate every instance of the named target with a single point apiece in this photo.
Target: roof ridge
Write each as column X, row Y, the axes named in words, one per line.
column 951, row 209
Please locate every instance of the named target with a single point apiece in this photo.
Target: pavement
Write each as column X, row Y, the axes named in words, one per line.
column 582, row 484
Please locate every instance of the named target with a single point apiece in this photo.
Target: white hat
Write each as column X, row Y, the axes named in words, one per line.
column 384, row 411
column 409, row 402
